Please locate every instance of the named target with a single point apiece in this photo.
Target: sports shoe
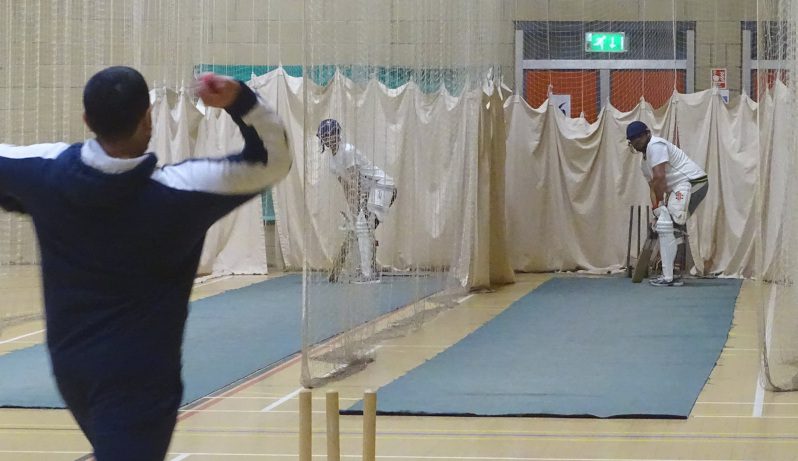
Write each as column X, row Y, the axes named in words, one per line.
column 663, row 282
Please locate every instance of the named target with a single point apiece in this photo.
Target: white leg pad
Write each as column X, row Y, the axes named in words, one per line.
column 365, row 245
column 667, row 241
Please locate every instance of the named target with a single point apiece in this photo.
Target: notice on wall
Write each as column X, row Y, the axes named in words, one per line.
column 719, row 78
column 562, row 102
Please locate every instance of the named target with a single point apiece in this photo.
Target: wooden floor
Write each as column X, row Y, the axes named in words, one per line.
column 733, row 419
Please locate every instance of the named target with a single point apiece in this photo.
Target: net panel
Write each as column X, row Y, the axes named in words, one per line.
column 404, row 79
column 48, row 49
column 403, row 83
column 21, row 302
column 739, row 48
column 367, row 61
column 590, row 55
column 597, row 61
column 772, row 79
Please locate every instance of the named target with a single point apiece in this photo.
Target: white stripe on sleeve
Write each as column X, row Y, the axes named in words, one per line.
column 236, row 176
column 48, row 151
column 219, row 176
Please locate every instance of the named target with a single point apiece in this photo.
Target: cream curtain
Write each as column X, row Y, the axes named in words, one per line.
column 488, row 185
column 775, row 133
column 490, row 265
column 236, row 243
column 570, row 184
column 427, row 143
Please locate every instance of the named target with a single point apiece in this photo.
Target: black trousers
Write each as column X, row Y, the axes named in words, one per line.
column 124, row 420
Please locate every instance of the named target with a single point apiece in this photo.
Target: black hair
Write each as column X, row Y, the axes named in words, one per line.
column 115, row 99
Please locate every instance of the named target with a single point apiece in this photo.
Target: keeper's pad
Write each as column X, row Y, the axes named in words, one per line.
column 667, row 242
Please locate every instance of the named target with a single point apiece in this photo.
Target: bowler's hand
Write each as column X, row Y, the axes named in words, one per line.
column 217, row 90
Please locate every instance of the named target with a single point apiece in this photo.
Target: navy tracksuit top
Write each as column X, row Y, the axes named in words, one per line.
column 121, row 240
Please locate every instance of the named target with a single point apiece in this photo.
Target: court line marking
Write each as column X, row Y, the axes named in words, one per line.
column 203, row 405
column 515, row 435
column 410, row 457
column 20, row 337
column 623, row 437
column 497, row 417
column 465, row 298
column 456, row 458
column 281, row 401
column 743, row 417
column 181, row 457
column 745, row 403
column 759, row 395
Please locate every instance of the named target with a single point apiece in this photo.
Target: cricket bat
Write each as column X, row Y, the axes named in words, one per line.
column 644, row 258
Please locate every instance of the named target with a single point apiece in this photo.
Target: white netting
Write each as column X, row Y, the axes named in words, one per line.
column 401, row 86
column 411, row 82
column 774, row 52
column 590, row 56
column 746, row 145
column 597, row 69
column 405, row 80
column 18, row 270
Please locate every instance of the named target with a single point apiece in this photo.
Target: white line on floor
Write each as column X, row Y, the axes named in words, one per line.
column 742, row 417
column 759, row 396
column 20, row 337
column 282, row 401
column 409, row 457
column 743, row 403
column 181, row 457
column 464, row 299
column 440, row 458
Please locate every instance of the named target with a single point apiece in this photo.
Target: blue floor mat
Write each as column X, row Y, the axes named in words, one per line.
column 228, row 336
column 578, row 347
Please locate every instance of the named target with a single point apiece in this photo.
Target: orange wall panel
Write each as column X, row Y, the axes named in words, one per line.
column 768, row 78
column 582, row 85
column 626, row 87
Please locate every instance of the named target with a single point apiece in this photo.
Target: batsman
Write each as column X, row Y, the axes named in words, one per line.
column 369, row 193
column 677, row 185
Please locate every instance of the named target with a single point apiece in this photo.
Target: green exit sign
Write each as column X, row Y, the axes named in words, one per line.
column 606, row 42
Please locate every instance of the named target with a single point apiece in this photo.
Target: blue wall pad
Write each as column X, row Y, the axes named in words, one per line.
column 228, row 336
column 578, row 347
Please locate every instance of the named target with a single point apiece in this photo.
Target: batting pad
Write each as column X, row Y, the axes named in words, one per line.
column 578, row 347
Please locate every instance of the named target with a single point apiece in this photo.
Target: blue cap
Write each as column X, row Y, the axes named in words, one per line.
column 635, row 129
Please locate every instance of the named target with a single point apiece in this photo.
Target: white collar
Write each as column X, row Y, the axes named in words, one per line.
column 93, row 155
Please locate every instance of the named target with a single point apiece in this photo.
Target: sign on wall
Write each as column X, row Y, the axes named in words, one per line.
column 605, row 42
column 562, row 102
column 719, row 78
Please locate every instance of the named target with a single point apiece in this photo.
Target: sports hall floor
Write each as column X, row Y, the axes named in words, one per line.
column 258, row 420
